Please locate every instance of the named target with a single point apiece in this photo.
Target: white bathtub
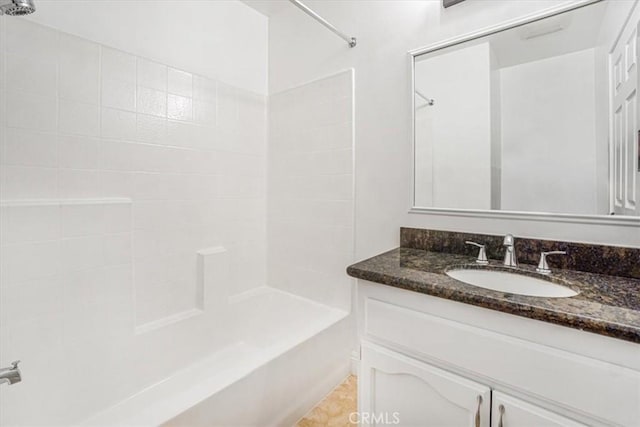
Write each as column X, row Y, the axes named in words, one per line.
column 289, row 353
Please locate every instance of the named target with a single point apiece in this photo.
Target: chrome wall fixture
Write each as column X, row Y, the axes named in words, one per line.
column 17, row 7
column 350, row 40
column 430, row 101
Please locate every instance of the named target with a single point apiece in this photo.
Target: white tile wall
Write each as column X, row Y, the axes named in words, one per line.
column 179, row 107
column 152, row 101
column 83, row 121
column 77, row 152
column 78, row 118
column 23, row 147
column 28, row 182
column 79, row 69
column 118, row 93
column 151, row 74
column 30, row 111
column 31, row 75
column 180, row 83
column 310, row 209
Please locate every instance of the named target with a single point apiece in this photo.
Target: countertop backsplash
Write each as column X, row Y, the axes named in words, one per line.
column 608, row 260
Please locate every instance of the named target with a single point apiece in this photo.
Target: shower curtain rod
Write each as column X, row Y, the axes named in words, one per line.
column 320, row 19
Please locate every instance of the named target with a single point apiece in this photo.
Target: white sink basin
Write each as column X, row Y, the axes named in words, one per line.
column 512, row 283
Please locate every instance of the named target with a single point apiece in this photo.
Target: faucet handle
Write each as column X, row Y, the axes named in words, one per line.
column 14, row 364
column 543, row 267
column 482, row 253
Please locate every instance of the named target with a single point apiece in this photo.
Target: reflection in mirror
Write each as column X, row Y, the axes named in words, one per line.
column 542, row 117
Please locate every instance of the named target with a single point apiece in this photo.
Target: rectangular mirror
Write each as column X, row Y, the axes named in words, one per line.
column 540, row 116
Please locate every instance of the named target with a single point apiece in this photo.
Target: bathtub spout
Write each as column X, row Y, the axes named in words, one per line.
column 11, row 375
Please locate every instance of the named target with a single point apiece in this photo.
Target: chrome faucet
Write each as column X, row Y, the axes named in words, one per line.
column 482, row 253
column 543, row 266
column 11, row 375
column 510, row 257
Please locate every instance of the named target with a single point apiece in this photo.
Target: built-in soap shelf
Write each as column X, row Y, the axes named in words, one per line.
column 65, row 202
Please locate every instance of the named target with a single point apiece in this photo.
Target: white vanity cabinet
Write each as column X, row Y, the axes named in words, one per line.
column 428, row 359
column 508, row 411
column 398, row 390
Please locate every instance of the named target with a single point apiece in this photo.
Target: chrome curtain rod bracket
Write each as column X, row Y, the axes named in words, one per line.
column 350, row 40
column 429, row 101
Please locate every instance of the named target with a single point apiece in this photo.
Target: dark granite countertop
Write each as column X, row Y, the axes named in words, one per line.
column 605, row 305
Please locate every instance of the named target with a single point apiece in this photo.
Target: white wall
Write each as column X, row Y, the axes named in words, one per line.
column 548, row 164
column 310, row 213
column 224, row 40
column 458, row 135
column 92, row 293
column 301, row 50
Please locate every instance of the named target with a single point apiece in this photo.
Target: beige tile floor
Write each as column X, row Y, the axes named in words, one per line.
column 334, row 410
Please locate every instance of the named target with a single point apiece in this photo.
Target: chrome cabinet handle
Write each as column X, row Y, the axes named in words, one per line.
column 501, row 410
column 478, row 411
column 482, row 254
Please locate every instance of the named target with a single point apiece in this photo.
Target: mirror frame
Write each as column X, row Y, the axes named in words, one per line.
column 482, row 213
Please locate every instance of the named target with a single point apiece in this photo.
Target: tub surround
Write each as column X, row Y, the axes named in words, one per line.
column 607, row 304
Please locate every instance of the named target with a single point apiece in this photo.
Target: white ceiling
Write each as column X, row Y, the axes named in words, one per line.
column 267, row 7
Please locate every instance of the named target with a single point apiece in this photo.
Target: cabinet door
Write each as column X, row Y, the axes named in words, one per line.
column 398, row 390
column 508, row 411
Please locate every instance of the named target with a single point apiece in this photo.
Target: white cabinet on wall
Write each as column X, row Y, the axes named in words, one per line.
column 398, row 390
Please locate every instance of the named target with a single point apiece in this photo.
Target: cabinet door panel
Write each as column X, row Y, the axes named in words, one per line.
column 517, row 413
column 395, row 389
